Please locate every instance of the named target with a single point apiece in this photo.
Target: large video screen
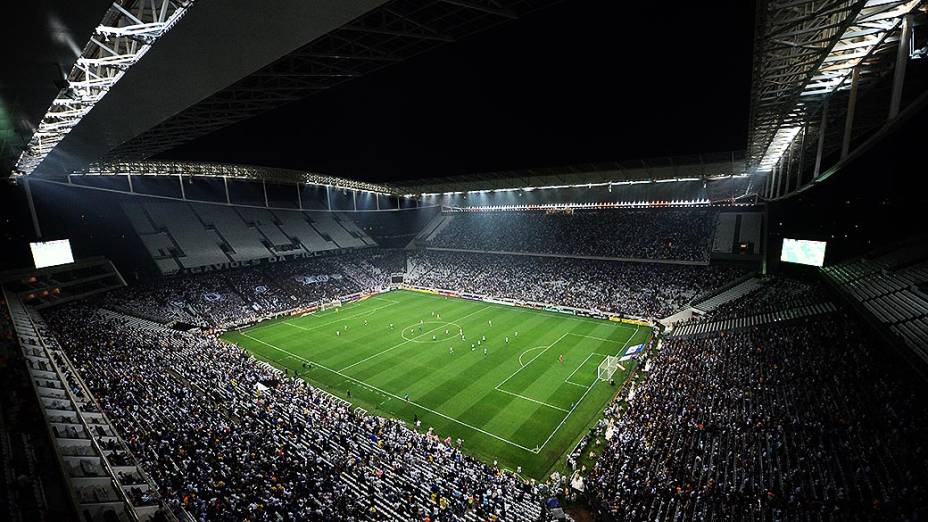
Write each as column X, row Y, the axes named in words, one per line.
column 51, row 253
column 803, row 252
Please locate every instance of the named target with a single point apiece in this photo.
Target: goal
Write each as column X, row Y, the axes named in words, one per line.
column 330, row 305
column 607, row 368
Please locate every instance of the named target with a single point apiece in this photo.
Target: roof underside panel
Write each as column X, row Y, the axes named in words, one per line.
column 807, row 50
column 215, row 44
column 392, row 33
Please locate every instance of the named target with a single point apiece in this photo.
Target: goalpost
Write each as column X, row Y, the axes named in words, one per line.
column 330, row 305
column 607, row 368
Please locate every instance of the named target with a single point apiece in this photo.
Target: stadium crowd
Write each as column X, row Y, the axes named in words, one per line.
column 628, row 288
column 229, row 438
column 794, row 420
column 678, row 234
column 776, row 293
column 786, row 421
column 244, row 294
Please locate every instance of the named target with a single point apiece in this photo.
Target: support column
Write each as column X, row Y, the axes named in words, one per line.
column 764, row 235
column 264, row 188
column 299, row 196
column 354, row 199
column 821, row 141
column 780, row 176
column 225, row 183
column 849, row 121
column 902, row 57
column 35, row 218
column 328, row 198
column 773, row 181
column 377, row 199
column 802, row 149
column 129, row 179
column 183, row 194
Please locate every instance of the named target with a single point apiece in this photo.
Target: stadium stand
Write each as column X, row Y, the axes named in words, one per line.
column 632, row 289
column 434, row 227
column 354, row 229
column 245, row 294
column 329, row 226
column 195, row 246
column 892, row 286
column 105, row 481
column 753, row 302
column 296, row 227
column 245, row 242
column 30, row 488
column 653, row 234
column 191, row 414
column 182, row 236
column 796, row 419
column 263, row 220
column 745, row 287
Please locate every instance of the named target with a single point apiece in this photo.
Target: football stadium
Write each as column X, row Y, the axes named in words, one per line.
column 464, row 260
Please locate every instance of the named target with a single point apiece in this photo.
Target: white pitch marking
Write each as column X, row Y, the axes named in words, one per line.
column 407, row 341
column 529, row 350
column 341, row 319
column 546, row 312
column 578, row 367
column 530, row 361
column 362, row 383
column 531, row 399
column 597, row 338
column 632, row 336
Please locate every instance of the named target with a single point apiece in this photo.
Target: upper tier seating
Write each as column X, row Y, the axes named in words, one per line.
column 654, row 234
column 196, row 245
column 183, row 235
column 893, row 287
column 633, row 289
column 245, row 241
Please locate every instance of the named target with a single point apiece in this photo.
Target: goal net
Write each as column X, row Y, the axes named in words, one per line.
column 330, row 305
column 607, row 368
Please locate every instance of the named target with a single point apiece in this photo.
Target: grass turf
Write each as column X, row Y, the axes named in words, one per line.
column 516, row 404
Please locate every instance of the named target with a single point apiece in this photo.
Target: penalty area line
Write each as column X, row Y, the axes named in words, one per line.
column 531, row 399
column 580, row 400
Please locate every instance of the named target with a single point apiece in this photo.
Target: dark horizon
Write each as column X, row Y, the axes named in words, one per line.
column 516, row 98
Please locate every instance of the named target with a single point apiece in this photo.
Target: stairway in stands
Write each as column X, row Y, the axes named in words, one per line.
column 734, row 323
column 735, row 292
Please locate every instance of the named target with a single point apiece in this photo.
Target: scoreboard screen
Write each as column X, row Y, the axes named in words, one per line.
column 803, row 252
column 51, row 253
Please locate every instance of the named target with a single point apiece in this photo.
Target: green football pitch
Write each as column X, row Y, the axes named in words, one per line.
column 513, row 402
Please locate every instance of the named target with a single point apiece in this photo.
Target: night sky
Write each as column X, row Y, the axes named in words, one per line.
column 578, row 82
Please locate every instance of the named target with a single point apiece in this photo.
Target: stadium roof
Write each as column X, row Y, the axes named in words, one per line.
column 702, row 166
column 806, row 50
column 116, row 106
column 219, row 170
column 683, row 168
